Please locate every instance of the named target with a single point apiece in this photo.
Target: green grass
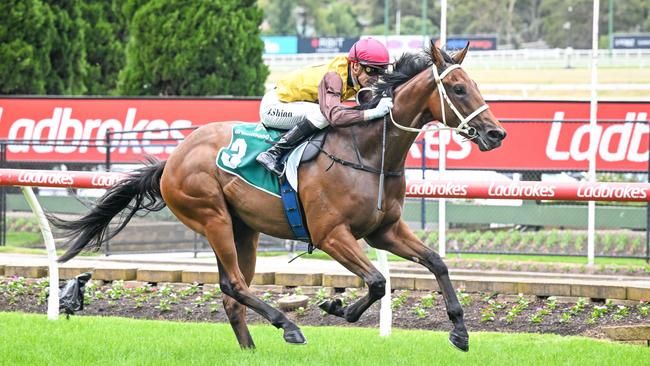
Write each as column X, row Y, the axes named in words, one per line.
column 21, row 239
column 496, row 257
column 33, row 340
column 318, row 254
column 549, row 259
column 21, row 250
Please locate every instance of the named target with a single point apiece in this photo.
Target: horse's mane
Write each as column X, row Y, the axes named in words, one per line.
column 405, row 68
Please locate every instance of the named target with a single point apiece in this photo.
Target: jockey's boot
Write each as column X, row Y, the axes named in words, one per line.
column 271, row 158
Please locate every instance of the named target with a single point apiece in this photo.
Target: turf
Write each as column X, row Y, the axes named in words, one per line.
column 34, row 340
column 492, row 257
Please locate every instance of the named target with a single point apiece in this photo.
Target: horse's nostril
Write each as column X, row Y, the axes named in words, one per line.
column 496, row 134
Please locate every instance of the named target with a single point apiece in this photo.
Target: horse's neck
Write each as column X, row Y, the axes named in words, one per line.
column 410, row 102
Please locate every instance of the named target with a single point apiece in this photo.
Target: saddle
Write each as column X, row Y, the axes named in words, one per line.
column 314, row 146
column 290, row 201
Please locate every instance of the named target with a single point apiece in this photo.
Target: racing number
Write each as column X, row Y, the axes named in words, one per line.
column 238, row 149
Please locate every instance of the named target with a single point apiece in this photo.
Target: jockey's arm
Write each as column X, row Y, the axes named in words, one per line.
column 329, row 99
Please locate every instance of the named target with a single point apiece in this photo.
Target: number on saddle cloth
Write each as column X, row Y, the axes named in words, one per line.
column 249, row 140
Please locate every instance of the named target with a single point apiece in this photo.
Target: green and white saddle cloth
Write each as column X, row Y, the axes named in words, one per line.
column 249, row 140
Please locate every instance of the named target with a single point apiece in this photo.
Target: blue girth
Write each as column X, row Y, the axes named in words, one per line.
column 293, row 211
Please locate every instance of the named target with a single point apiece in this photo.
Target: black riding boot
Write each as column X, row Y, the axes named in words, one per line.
column 270, row 159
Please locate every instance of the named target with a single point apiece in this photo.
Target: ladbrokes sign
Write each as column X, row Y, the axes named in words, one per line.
column 75, row 129
column 562, row 145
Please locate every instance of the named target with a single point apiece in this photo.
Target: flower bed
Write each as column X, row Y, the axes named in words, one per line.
column 562, row 242
column 411, row 309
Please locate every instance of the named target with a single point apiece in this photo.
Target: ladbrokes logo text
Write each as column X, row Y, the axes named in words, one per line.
column 79, row 137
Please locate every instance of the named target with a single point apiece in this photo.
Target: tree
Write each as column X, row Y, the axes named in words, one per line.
column 104, row 48
column 194, row 48
column 631, row 16
column 26, row 34
column 280, row 18
column 337, row 19
column 68, row 52
column 411, row 17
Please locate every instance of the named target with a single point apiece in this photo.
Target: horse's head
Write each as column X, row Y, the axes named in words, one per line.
column 459, row 98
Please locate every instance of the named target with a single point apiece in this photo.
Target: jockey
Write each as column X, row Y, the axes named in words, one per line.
column 311, row 99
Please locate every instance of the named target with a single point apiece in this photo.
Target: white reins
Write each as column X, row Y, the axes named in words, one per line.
column 463, row 127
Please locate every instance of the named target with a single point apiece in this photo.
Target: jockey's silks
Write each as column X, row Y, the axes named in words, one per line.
column 302, row 85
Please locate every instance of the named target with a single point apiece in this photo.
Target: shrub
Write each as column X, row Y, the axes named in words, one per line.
column 580, row 241
column 567, row 238
column 552, row 240
column 621, row 243
column 538, row 239
column 637, row 244
column 607, row 242
column 194, row 48
column 432, row 239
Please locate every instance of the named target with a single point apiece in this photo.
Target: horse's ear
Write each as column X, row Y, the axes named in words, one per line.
column 459, row 56
column 436, row 55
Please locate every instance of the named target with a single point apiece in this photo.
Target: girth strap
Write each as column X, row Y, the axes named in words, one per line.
column 360, row 166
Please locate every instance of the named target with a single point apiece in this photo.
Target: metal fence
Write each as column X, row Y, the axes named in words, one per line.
column 476, row 226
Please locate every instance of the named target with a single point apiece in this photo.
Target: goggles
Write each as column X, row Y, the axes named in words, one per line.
column 373, row 71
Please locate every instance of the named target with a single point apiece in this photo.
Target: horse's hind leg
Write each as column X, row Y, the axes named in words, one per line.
column 246, row 241
column 219, row 233
column 199, row 203
column 399, row 240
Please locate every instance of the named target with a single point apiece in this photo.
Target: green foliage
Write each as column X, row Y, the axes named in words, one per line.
column 26, row 35
column 552, row 240
column 337, row 19
column 432, row 240
column 68, row 52
column 194, row 48
column 104, row 46
column 279, row 17
column 464, row 298
column 399, row 301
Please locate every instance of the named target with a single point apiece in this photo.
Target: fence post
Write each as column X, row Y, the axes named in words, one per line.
column 423, row 207
column 3, row 198
column 107, row 141
column 196, row 246
column 647, row 210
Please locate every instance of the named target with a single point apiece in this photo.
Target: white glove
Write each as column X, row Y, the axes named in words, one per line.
column 383, row 107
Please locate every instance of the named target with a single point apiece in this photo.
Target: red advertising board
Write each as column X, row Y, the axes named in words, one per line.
column 561, row 145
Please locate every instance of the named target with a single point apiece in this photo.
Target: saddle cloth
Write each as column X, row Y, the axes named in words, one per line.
column 249, row 140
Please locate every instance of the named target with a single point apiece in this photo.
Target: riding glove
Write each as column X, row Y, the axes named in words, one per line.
column 383, row 107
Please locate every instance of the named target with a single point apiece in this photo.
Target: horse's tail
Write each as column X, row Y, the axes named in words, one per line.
column 139, row 191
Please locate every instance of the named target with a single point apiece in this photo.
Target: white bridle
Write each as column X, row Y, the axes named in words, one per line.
column 463, row 127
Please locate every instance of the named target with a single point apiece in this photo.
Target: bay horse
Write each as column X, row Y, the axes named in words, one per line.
column 340, row 201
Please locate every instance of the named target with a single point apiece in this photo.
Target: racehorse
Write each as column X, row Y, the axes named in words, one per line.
column 340, row 199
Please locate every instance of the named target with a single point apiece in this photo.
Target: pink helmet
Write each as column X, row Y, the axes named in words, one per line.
column 369, row 51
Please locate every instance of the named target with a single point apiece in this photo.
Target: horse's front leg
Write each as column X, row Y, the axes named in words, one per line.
column 400, row 240
column 341, row 245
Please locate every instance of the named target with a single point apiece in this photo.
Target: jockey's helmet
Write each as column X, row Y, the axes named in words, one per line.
column 369, row 52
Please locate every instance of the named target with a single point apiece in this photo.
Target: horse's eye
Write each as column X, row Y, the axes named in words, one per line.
column 459, row 90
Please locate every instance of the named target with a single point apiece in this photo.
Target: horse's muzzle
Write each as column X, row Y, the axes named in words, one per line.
column 491, row 139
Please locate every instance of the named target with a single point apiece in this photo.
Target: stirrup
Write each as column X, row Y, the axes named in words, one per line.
column 269, row 163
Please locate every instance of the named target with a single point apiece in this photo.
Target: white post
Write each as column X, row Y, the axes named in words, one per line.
column 385, row 312
column 53, row 299
column 443, row 22
column 442, row 150
column 593, row 142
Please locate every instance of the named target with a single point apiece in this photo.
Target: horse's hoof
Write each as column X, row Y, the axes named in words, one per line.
column 333, row 307
column 294, row 337
column 460, row 342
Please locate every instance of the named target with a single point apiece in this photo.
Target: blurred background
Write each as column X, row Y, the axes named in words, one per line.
column 95, row 85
